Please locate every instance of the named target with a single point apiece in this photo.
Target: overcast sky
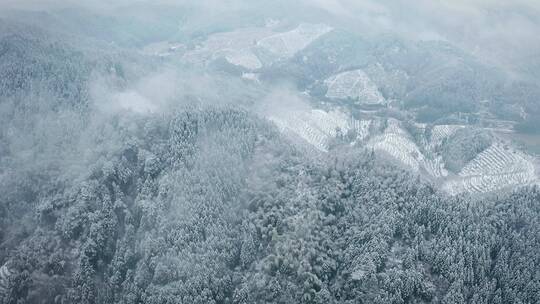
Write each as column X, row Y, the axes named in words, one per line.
column 501, row 30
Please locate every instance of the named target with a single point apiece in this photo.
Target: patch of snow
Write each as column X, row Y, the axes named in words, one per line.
column 163, row 48
column 495, row 168
column 361, row 127
column 251, row 76
column 271, row 22
column 400, row 148
column 4, row 277
column 287, row 44
column 236, row 47
column 244, row 58
column 135, row 102
column 315, row 126
column 440, row 132
column 398, row 144
column 355, row 85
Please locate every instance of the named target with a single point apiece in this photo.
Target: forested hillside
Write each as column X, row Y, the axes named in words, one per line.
column 183, row 160
column 211, row 206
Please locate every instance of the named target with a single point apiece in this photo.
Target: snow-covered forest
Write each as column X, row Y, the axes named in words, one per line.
column 257, row 152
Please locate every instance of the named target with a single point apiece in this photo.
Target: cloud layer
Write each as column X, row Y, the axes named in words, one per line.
column 504, row 32
column 500, row 31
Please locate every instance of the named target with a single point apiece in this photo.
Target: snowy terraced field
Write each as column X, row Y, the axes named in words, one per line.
column 396, row 142
column 303, row 128
column 399, row 148
column 317, row 127
column 496, row 159
column 440, row 132
column 287, row 44
column 488, row 183
column 435, row 167
column 355, row 85
column 495, row 168
column 236, row 47
column 329, row 122
column 361, row 127
column 4, row 276
column 244, row 58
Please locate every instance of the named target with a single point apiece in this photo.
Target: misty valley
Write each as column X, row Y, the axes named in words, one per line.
column 253, row 152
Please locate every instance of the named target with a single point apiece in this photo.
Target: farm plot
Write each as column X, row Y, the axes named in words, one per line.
column 287, row 44
column 354, row 85
column 317, row 127
column 236, row 47
column 495, row 168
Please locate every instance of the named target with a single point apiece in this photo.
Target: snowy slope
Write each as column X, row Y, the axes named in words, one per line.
column 239, row 47
column 317, row 127
column 398, row 144
column 287, row 44
column 495, row 168
column 4, row 277
column 440, row 132
column 236, row 47
column 355, row 85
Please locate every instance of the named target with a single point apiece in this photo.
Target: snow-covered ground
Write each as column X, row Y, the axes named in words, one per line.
column 400, row 148
column 287, row 44
column 236, row 47
column 317, row 127
column 361, row 127
column 498, row 167
column 435, row 166
column 440, row 132
column 495, row 168
column 398, row 144
column 354, row 85
column 244, row 58
column 163, row 48
column 251, row 76
column 4, row 277
column 239, row 47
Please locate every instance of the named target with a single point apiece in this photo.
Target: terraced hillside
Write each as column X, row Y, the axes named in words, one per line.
column 243, row 47
column 361, row 128
column 428, row 154
column 354, row 85
column 317, row 127
column 495, row 168
column 441, row 132
column 236, row 47
column 398, row 144
column 498, row 167
column 400, row 148
column 4, row 277
column 287, row 44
